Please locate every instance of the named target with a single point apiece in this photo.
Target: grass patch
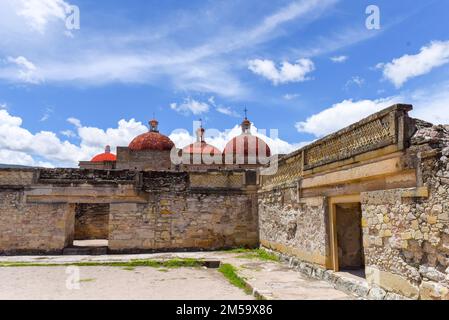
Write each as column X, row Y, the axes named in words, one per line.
column 229, row 272
column 87, row 280
column 255, row 254
column 129, row 268
column 172, row 263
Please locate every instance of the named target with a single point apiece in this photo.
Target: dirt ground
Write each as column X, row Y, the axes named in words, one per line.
column 49, row 283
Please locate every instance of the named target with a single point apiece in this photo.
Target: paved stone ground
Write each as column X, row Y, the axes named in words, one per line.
column 273, row 280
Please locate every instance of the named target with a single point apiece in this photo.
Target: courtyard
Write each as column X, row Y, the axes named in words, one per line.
column 165, row 276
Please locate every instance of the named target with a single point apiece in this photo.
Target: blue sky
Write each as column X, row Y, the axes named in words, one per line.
column 305, row 67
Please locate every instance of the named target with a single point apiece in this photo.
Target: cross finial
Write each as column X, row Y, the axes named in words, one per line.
column 246, row 113
column 201, row 123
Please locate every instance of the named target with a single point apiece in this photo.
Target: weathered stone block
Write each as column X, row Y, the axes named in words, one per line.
column 433, row 291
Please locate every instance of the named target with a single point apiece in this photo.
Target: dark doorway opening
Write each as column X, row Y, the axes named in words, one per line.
column 91, row 229
column 351, row 256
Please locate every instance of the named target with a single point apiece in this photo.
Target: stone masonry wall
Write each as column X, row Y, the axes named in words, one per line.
column 12, row 177
column 184, row 221
column 91, row 221
column 163, row 211
column 33, row 228
column 294, row 227
column 145, row 160
column 182, row 213
column 406, row 238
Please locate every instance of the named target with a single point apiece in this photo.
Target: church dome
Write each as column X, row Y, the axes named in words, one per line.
column 200, row 146
column 246, row 144
column 106, row 156
column 151, row 140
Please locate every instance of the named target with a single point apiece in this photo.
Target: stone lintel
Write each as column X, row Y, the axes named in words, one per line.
column 420, row 192
column 355, row 173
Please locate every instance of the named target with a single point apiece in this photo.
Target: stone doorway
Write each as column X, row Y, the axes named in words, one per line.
column 91, row 232
column 349, row 237
column 346, row 235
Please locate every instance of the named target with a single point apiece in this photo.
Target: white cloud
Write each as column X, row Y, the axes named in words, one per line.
column 227, row 111
column 47, row 114
column 68, row 133
column 339, row 59
column 20, row 158
column 341, row 115
column 222, row 109
column 150, row 55
column 15, row 140
column 356, row 80
column 76, row 122
column 24, row 70
column 429, row 104
column 96, row 138
column 38, row 13
column 287, row 72
column 307, row 10
column 402, row 69
column 190, row 106
column 291, row 96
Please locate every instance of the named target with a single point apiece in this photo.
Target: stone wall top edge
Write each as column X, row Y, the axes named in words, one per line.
column 377, row 115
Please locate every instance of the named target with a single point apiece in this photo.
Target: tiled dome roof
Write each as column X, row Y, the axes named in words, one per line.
column 152, row 140
column 247, row 145
column 106, row 156
column 200, row 146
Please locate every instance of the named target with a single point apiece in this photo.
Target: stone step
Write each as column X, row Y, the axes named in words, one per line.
column 82, row 251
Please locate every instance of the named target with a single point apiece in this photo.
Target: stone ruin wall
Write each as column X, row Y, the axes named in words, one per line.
column 33, row 228
column 166, row 211
column 406, row 235
column 405, row 231
column 294, row 226
column 187, row 211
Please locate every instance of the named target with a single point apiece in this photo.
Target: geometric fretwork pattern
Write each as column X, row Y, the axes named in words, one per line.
column 355, row 140
column 361, row 139
column 216, row 181
column 289, row 170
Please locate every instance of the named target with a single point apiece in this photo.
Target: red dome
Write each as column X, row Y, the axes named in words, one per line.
column 201, row 148
column 106, row 156
column 151, row 141
column 247, row 145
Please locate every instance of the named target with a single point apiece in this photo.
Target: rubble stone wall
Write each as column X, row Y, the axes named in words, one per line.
column 406, row 238
column 292, row 225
